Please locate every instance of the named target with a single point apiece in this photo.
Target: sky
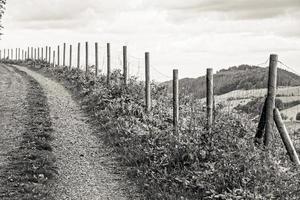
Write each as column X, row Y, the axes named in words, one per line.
column 189, row 35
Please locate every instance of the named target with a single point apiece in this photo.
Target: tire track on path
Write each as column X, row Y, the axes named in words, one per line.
column 28, row 166
column 81, row 162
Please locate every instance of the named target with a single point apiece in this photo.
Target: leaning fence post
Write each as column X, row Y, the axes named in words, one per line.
column 86, row 57
column 147, row 79
column 125, row 70
column 70, row 62
column 64, row 55
column 96, row 59
column 78, row 55
column 285, row 137
column 175, row 101
column 108, row 62
column 209, row 98
column 270, row 102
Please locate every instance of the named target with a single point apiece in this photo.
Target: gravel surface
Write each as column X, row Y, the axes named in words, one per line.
column 12, row 109
column 86, row 170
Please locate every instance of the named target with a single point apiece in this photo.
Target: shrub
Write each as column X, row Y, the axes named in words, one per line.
column 191, row 165
column 298, row 116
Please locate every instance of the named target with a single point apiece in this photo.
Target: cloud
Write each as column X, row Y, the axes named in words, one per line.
column 236, row 9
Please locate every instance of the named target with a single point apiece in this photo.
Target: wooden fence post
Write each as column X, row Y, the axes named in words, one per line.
column 96, row 59
column 28, row 52
column 108, row 63
column 64, row 55
column 38, row 53
column 35, row 51
column 285, row 137
column 49, row 61
column 42, row 53
column 19, row 54
column 4, row 54
column 22, row 54
column 46, row 56
column 12, row 54
column 53, row 58
column 209, row 98
column 147, row 80
column 175, row 101
column 78, row 55
column 70, row 62
column 58, row 55
column 125, row 70
column 270, row 102
column 31, row 53
column 86, row 57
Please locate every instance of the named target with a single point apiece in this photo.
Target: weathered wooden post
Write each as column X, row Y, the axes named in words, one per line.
column 147, row 84
column 12, row 54
column 78, row 55
column 38, row 53
column 86, row 57
column 285, row 137
column 22, row 54
column 4, row 53
column 8, row 53
column 125, row 70
column 175, row 101
column 96, row 59
column 270, row 102
column 70, row 62
column 209, row 98
column 16, row 54
column 58, row 55
column 19, row 54
column 108, row 63
column 35, row 54
column 28, row 53
column 49, row 61
column 46, row 56
column 31, row 53
column 64, row 55
column 42, row 53
column 53, row 59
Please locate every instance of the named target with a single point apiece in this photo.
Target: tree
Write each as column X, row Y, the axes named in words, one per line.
column 2, row 8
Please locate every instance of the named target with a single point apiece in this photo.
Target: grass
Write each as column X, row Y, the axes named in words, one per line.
column 31, row 167
column 190, row 165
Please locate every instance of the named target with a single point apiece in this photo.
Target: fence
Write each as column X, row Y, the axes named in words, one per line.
column 266, row 123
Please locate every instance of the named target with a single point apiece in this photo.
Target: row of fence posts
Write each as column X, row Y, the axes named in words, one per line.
column 269, row 115
column 36, row 54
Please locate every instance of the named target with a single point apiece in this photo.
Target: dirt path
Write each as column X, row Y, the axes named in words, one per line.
column 12, row 109
column 85, row 169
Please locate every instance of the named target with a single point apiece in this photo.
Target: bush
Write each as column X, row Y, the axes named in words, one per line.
column 298, row 116
column 190, row 165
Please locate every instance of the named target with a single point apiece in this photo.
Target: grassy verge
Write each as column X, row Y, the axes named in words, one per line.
column 190, row 165
column 31, row 166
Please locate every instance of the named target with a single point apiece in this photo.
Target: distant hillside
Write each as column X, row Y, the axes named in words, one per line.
column 243, row 77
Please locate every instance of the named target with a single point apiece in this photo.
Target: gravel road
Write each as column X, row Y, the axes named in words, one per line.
column 12, row 109
column 86, row 170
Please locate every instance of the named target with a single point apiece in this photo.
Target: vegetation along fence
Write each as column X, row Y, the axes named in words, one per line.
column 269, row 113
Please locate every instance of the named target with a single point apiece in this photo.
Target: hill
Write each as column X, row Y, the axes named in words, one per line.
column 243, row 77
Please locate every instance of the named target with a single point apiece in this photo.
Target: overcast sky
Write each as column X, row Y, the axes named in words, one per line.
column 190, row 35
